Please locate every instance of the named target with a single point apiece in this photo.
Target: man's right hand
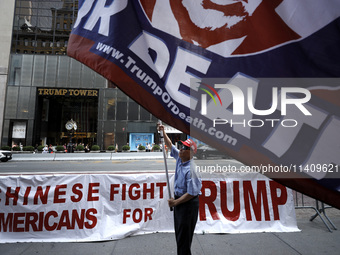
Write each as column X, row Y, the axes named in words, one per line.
column 160, row 127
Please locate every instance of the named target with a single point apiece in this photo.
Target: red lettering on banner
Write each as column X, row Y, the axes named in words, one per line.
column 131, row 196
column 113, row 191
column 126, row 214
column 208, row 200
column 161, row 186
column 47, row 218
column 14, row 195
column 6, row 224
column 123, row 191
column 90, row 216
column 148, row 214
column 41, row 221
column 261, row 193
column 58, row 192
column 17, row 221
column 90, row 196
column 78, row 218
column 76, row 189
column 64, row 221
column 135, row 190
column 251, row 203
column 43, row 196
column 147, row 190
column 27, row 192
column 137, row 215
column 281, row 200
column 32, row 221
column 235, row 213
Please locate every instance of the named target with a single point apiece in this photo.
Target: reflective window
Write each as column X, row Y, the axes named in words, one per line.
column 144, row 114
column 38, row 70
column 52, row 71
column 133, row 110
column 11, row 103
column 23, row 102
column 15, row 70
column 63, row 71
column 121, row 109
column 37, row 20
column 26, row 70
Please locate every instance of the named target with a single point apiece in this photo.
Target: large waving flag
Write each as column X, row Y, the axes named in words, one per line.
column 259, row 79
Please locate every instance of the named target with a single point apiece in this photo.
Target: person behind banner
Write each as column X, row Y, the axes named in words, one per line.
column 187, row 188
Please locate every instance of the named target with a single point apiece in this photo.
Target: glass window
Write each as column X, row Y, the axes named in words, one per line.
column 87, row 77
column 32, row 103
column 11, row 103
column 99, row 81
column 51, row 71
column 42, row 19
column 154, row 118
column 15, row 70
column 23, row 102
column 122, row 109
column 38, row 70
column 26, row 70
column 109, row 137
column 63, row 71
column 133, row 111
column 110, row 109
column 75, row 68
column 144, row 114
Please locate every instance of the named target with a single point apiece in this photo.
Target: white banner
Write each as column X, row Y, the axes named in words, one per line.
column 69, row 208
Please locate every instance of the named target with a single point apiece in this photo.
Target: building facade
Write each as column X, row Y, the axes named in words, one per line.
column 42, row 88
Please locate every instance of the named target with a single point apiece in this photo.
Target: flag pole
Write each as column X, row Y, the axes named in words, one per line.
column 165, row 162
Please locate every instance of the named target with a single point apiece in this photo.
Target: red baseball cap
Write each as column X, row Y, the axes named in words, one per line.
column 191, row 144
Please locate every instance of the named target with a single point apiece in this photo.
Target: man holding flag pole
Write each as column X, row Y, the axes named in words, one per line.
column 187, row 187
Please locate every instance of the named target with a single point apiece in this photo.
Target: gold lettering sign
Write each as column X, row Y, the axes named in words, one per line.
column 68, row 92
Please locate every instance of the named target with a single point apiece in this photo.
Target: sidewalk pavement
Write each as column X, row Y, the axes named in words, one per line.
column 314, row 238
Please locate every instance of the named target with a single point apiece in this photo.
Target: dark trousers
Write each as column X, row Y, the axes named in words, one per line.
column 185, row 217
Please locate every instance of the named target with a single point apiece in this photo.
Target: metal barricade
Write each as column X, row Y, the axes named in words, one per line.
column 304, row 202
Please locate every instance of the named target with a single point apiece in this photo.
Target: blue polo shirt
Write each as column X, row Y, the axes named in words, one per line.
column 186, row 178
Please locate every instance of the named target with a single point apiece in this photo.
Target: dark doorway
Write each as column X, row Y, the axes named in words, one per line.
column 54, row 111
